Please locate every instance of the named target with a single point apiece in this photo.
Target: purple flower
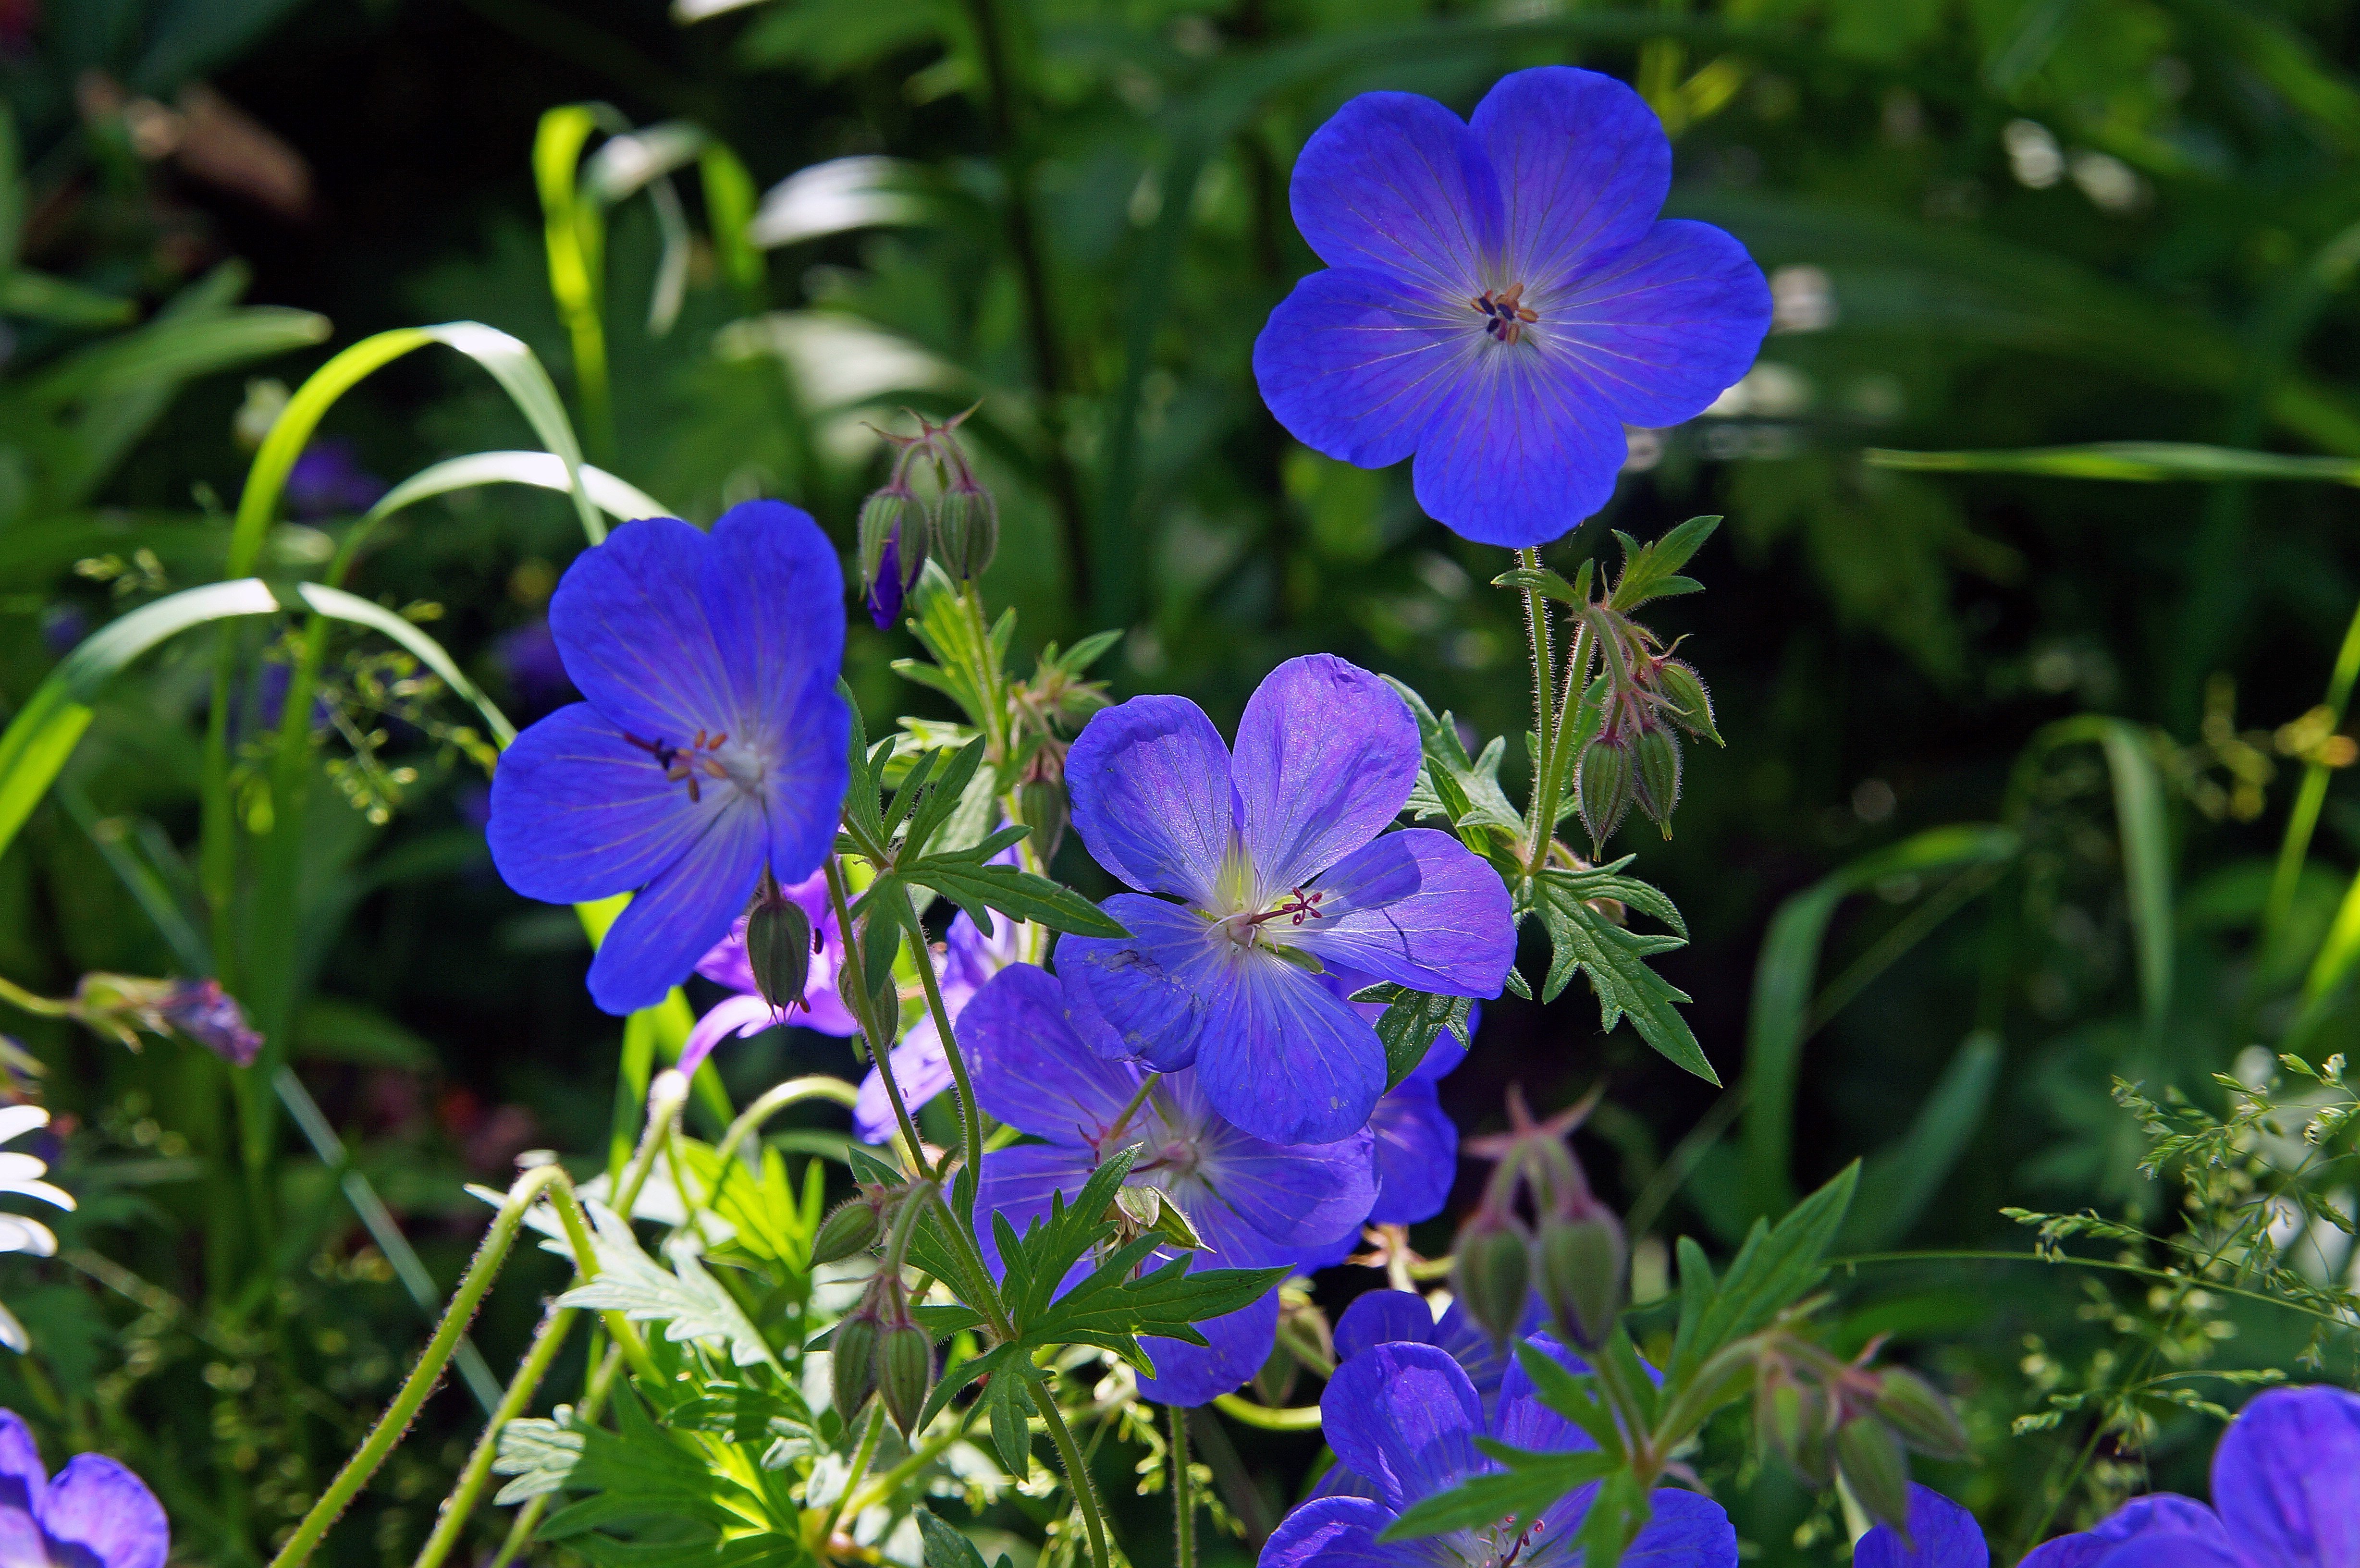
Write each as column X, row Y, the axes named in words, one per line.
column 713, row 741
column 95, row 1513
column 1255, row 1204
column 1941, row 1535
column 747, row 1013
column 1403, row 1419
column 1501, row 298
column 201, row 1011
column 885, row 594
column 1281, row 867
column 328, row 480
column 1386, row 1317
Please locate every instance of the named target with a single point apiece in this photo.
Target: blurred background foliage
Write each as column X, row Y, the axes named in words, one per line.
column 2011, row 758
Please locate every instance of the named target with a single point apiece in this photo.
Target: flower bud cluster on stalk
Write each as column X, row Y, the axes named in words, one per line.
column 1644, row 698
column 1831, row 1419
column 900, row 529
column 1571, row 1249
column 878, row 1347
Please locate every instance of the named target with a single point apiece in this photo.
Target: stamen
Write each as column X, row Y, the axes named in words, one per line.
column 1504, row 313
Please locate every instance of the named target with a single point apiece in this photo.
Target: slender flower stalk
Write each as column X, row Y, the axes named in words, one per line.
column 1183, row 1499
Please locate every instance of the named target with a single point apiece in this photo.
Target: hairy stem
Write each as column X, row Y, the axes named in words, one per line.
column 860, row 1457
column 971, row 1113
column 1184, row 1498
column 461, row 1503
column 1536, row 635
column 593, row 1400
column 864, row 1009
column 1077, row 1474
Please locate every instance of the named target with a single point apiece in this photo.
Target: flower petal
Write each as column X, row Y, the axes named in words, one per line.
column 1303, row 1198
column 1281, row 1057
column 1659, row 330
column 655, row 943
column 809, row 766
column 98, row 1505
column 23, row 1481
column 1031, row 1069
column 1416, row 1154
column 923, row 1070
column 1325, row 757
column 1354, row 362
column 1941, row 1535
column 1237, row 1345
column 632, row 627
column 15, row 1121
column 1686, row 1532
column 2286, row 1479
column 1381, row 1317
column 1525, row 451
column 2158, row 1513
column 2174, row 1549
column 1522, row 1418
column 740, row 1016
column 1486, row 1360
column 1403, row 1417
column 774, row 597
column 578, row 812
column 1334, row 1531
column 1143, row 997
column 1396, row 182
column 1149, row 780
column 1582, row 161
column 1418, row 908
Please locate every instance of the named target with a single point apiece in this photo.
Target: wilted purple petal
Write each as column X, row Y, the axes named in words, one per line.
column 203, row 1012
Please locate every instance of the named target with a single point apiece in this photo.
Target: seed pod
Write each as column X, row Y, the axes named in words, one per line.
column 1877, row 1470
column 966, row 528
column 1691, row 705
column 1604, row 788
column 905, row 1371
column 851, row 1229
column 1493, row 1273
column 1581, row 1261
column 854, row 1349
column 1655, row 774
column 1919, row 1415
column 779, row 946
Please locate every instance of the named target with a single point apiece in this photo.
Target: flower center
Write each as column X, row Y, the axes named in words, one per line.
column 1297, row 907
column 705, row 757
column 1505, row 315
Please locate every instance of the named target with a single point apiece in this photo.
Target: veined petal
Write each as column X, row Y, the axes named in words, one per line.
column 1354, row 362
column 1031, row 1069
column 774, row 597
column 920, row 1068
column 1335, row 1531
column 1149, row 780
column 1016, row 1182
column 1148, row 991
column 810, row 764
column 740, row 1015
column 1417, row 1150
column 1583, row 164
column 1398, row 183
column 1662, row 328
column 631, row 625
column 1237, row 1343
column 1325, row 757
column 1380, row 1317
column 98, row 1505
column 655, row 943
column 1522, row 1418
column 1686, row 1532
column 578, row 812
column 2286, row 1479
column 1281, row 1057
column 1418, row 908
column 2158, row 1513
column 1303, row 1197
column 1941, row 1535
column 1525, row 451
column 1404, row 1418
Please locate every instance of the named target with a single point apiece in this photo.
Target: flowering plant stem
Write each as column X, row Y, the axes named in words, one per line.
column 1184, row 1501
column 451, row 1518
column 971, row 1114
column 1077, row 1474
column 860, row 1457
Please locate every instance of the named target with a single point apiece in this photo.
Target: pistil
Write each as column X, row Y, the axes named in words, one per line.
column 1505, row 315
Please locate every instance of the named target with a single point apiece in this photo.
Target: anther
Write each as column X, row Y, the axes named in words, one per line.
column 1504, row 313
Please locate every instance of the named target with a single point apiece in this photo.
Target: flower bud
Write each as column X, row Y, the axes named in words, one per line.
column 1047, row 812
column 1604, row 788
column 905, row 1371
column 1492, row 1276
column 851, row 1229
column 1790, row 1419
column 1877, row 1470
column 1655, row 774
column 1690, row 703
column 1919, row 1415
column 893, row 528
column 1581, row 1262
column 966, row 528
column 853, row 1351
column 778, row 946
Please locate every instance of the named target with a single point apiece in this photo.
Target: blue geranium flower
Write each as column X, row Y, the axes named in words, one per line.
column 1388, row 1317
column 95, row 1513
column 1403, row 1419
column 1255, row 1204
column 2286, row 1494
column 1501, row 298
column 1279, row 857
column 713, row 741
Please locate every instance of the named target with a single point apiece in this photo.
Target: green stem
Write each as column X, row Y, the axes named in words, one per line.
column 1184, row 1498
column 861, row 1458
column 1536, row 633
column 818, row 1086
column 971, row 1113
column 1077, row 1474
column 16, row 997
column 462, row 1501
column 2304, row 819
column 426, row 1375
column 880, row 1041
column 884, row 1485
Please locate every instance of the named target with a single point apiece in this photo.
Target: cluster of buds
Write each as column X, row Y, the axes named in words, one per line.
column 1635, row 758
column 902, row 529
column 1828, row 1418
column 780, row 944
column 879, row 1348
column 1571, row 1248
column 124, row 1006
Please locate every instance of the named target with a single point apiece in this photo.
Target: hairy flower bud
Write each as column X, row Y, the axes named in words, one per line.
column 1791, row 1420
column 893, row 521
column 1492, row 1276
column 905, row 1371
column 778, row 946
column 966, row 528
column 1655, row 774
column 1604, row 787
column 1872, row 1464
column 1581, row 1262
column 1919, row 1415
column 853, row 1351
column 853, row 1228
column 1690, row 704
column 1041, row 798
